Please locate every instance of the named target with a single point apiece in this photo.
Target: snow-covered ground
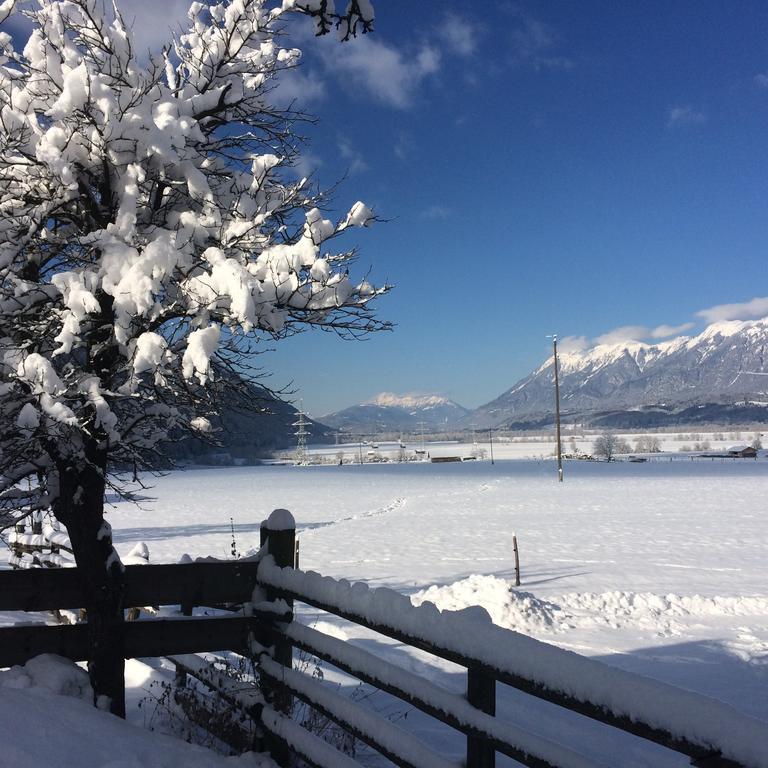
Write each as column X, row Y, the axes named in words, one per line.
column 39, row 728
column 657, row 567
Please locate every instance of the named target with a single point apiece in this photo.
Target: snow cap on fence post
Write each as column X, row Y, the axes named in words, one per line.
column 278, row 532
column 279, row 520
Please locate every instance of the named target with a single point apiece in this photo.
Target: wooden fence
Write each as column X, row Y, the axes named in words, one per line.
column 266, row 632
column 474, row 714
column 39, row 545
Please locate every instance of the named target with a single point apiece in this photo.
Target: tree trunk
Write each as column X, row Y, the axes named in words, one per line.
column 80, row 506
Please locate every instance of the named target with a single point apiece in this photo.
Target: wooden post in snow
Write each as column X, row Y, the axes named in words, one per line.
column 517, row 561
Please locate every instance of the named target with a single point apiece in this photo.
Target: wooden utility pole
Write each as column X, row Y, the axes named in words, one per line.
column 557, row 413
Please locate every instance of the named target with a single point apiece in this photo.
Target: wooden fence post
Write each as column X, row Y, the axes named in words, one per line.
column 17, row 549
column 279, row 534
column 37, row 530
column 517, row 561
column 481, row 693
column 55, row 548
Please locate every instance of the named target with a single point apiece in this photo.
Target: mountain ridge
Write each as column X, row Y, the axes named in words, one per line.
column 389, row 412
column 719, row 373
column 724, row 363
column 390, row 399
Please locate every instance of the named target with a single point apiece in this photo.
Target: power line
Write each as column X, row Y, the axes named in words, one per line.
column 301, row 435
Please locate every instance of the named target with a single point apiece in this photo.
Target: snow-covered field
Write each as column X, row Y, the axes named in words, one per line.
column 658, row 568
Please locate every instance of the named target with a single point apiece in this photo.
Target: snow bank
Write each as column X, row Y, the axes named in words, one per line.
column 50, row 673
column 139, row 555
column 44, row 720
column 512, row 608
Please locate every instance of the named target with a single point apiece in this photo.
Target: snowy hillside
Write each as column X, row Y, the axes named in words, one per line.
column 725, row 364
column 388, row 412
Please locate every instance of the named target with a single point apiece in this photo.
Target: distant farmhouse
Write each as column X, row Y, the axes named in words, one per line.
column 742, row 452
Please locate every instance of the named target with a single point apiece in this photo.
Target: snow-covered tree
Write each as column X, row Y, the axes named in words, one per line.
column 647, row 444
column 150, row 237
column 609, row 444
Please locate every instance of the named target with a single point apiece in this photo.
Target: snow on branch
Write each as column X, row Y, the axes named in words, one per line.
column 146, row 215
column 358, row 14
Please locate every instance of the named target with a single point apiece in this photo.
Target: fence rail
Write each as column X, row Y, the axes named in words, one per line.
column 710, row 733
column 450, row 708
column 43, row 546
column 198, row 583
column 323, row 593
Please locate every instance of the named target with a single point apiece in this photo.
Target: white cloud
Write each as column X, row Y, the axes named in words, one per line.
column 459, row 34
column 383, row 71
column 403, row 146
column 353, row 157
column 684, row 115
column 757, row 307
column 150, row 22
column 435, row 212
column 640, row 332
column 665, row 331
column 623, row 333
column 533, row 43
column 761, row 80
column 298, row 88
column 306, row 164
column 427, row 61
column 573, row 344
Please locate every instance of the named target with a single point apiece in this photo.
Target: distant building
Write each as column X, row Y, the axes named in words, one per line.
column 742, row 451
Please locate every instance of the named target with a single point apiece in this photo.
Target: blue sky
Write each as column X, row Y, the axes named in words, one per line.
column 568, row 167
column 563, row 167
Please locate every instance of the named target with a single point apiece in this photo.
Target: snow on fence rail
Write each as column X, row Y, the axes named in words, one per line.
column 46, row 546
column 710, row 732
column 41, row 547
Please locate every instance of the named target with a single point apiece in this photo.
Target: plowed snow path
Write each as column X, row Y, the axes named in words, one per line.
column 391, row 507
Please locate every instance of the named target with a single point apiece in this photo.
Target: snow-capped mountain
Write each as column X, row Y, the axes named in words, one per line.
column 388, row 412
column 726, row 364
